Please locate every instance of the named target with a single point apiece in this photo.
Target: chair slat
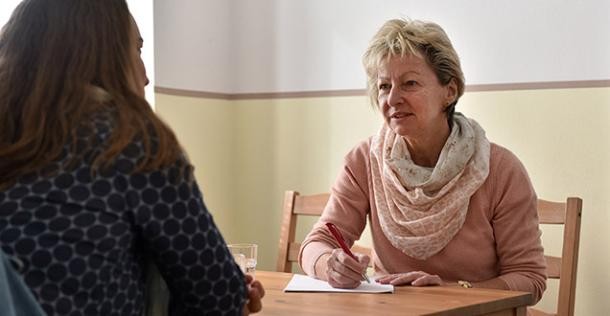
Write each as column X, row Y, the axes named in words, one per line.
column 287, row 232
column 551, row 212
column 553, row 267
column 293, row 251
column 310, row 205
column 569, row 255
column 563, row 268
column 296, row 204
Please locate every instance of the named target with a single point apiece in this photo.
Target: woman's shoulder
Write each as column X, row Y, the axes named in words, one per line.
column 362, row 147
column 98, row 124
column 505, row 166
column 502, row 156
column 360, row 152
column 101, row 126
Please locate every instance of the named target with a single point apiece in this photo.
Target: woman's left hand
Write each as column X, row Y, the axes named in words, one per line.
column 414, row 278
column 255, row 294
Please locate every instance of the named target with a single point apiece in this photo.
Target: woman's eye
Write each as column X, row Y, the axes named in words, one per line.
column 410, row 83
column 384, row 86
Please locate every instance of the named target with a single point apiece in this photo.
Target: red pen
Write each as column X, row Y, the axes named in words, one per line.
column 337, row 234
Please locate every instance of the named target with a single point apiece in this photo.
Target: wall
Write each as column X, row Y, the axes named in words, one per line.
column 142, row 12
column 6, row 9
column 204, row 129
column 241, row 46
column 222, row 68
column 282, row 144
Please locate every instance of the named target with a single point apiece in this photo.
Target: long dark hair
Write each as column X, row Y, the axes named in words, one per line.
column 51, row 55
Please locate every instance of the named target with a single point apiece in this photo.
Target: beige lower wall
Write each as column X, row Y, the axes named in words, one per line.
column 248, row 152
column 204, row 129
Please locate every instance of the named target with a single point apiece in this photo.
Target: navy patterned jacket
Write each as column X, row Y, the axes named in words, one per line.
column 85, row 239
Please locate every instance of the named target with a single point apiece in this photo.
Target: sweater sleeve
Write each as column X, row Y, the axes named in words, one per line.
column 180, row 236
column 347, row 208
column 515, row 224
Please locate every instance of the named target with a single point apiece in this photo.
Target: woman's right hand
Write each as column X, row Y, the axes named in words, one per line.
column 342, row 271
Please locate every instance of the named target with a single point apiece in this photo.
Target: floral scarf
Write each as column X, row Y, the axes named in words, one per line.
column 421, row 209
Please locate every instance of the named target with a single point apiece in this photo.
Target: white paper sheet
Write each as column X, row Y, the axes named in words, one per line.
column 303, row 283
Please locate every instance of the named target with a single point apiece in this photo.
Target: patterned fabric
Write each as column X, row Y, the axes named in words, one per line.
column 421, row 209
column 85, row 239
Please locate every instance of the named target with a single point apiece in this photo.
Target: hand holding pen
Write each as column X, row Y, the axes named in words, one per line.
column 337, row 235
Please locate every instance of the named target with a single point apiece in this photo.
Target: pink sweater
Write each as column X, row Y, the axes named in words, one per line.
column 500, row 237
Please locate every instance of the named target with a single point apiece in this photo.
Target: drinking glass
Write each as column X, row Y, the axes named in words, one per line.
column 245, row 256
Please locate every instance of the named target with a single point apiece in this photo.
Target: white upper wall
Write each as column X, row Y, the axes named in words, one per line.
column 6, row 9
column 142, row 12
column 193, row 43
column 240, row 46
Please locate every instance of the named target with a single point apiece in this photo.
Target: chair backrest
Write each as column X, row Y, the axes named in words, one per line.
column 157, row 296
column 299, row 205
column 566, row 213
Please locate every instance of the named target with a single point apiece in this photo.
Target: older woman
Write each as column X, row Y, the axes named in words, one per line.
column 445, row 205
column 93, row 185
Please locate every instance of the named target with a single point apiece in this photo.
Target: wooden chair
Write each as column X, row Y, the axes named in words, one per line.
column 300, row 205
column 552, row 213
column 563, row 268
column 157, row 296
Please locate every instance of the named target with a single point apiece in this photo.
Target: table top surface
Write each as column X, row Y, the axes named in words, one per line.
column 406, row 300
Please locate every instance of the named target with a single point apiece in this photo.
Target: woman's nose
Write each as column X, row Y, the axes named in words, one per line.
column 394, row 96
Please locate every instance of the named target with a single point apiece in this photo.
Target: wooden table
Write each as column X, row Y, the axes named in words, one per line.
column 406, row 300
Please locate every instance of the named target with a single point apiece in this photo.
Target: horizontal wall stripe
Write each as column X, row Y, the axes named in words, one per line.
column 539, row 85
column 261, row 95
column 362, row 92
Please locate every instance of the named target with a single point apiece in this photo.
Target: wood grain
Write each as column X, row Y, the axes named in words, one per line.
column 407, row 300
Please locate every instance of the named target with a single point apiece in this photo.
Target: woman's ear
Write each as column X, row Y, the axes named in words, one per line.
column 451, row 89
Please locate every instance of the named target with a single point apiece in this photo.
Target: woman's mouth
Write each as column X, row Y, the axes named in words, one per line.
column 399, row 115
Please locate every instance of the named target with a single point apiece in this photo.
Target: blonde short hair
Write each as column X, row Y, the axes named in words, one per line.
column 401, row 37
